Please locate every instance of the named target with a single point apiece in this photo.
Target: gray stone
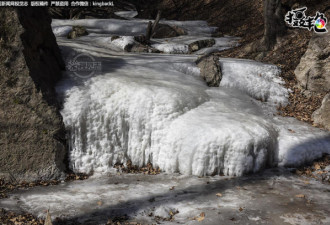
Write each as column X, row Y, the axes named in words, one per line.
column 322, row 115
column 197, row 45
column 327, row 168
column 313, row 71
column 32, row 134
column 77, row 31
column 210, row 70
column 138, row 47
column 167, row 31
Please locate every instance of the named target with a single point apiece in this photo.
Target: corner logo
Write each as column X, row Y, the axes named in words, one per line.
column 297, row 18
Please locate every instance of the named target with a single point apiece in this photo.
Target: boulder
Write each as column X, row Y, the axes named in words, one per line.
column 138, row 47
column 313, row 71
column 210, row 70
column 77, row 31
column 167, row 31
column 197, row 45
column 322, row 115
column 32, row 134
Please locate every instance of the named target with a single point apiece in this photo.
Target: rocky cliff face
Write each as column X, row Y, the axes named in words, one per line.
column 322, row 115
column 313, row 74
column 32, row 134
column 313, row 71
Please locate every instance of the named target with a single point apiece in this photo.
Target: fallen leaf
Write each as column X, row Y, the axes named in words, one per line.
column 321, row 172
column 219, row 194
column 240, row 209
column 99, row 203
column 172, row 188
column 317, row 166
column 201, row 217
column 300, row 196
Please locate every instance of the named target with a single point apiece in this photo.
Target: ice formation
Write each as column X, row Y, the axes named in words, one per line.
column 155, row 108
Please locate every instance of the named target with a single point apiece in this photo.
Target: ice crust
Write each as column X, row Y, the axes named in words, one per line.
column 155, row 108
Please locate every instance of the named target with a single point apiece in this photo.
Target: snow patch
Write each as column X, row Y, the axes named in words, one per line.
column 172, row 48
column 127, row 14
column 62, row 31
column 123, row 41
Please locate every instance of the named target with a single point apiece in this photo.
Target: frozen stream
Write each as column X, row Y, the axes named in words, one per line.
column 272, row 197
column 155, row 108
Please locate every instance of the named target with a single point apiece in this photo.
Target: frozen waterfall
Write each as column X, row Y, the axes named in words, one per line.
column 155, row 108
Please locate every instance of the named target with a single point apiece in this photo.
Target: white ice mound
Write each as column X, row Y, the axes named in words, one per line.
column 260, row 81
column 155, row 109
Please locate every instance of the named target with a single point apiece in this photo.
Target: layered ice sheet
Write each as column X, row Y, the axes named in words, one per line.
column 101, row 30
column 133, row 27
column 260, row 81
column 155, row 108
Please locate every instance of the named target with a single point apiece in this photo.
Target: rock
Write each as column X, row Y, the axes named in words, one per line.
column 167, row 31
column 197, row 45
column 138, row 47
column 32, row 134
column 313, row 71
column 141, row 39
column 327, row 168
column 322, row 115
column 115, row 37
column 210, row 70
column 77, row 31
